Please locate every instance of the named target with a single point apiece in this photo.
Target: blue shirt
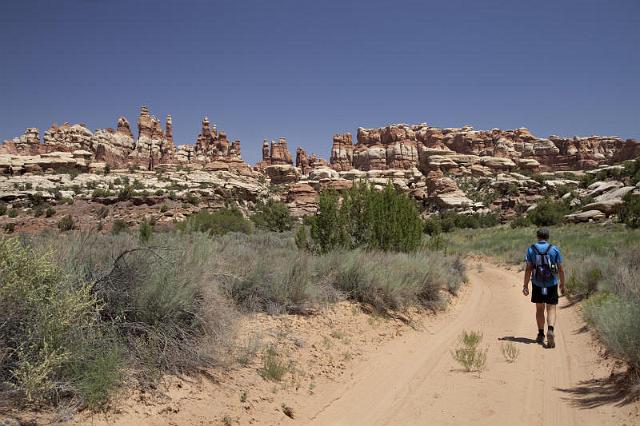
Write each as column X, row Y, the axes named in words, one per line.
column 554, row 256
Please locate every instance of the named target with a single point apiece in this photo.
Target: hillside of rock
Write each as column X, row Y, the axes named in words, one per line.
column 462, row 169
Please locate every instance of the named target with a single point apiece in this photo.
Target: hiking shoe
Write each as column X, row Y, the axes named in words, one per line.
column 540, row 339
column 551, row 341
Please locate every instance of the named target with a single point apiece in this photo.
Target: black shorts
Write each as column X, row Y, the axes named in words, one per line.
column 551, row 298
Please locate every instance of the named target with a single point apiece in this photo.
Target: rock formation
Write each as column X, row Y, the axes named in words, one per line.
column 342, row 152
column 402, row 146
column 308, row 163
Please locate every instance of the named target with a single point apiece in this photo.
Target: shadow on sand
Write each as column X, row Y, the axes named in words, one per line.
column 617, row 389
column 524, row 340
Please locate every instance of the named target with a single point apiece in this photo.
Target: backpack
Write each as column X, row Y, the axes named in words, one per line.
column 543, row 269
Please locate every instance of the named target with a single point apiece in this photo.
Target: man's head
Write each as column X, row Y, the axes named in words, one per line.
column 542, row 234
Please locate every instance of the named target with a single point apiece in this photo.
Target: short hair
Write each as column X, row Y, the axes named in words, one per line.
column 543, row 233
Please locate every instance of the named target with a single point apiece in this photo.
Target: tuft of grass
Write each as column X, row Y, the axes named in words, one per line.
column 66, row 223
column 146, row 231
column 468, row 354
column 119, row 226
column 509, row 351
column 273, row 367
column 216, row 223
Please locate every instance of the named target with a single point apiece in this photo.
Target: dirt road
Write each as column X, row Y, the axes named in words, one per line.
column 414, row 380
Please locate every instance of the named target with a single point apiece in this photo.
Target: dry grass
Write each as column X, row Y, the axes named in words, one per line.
column 468, row 354
column 510, row 352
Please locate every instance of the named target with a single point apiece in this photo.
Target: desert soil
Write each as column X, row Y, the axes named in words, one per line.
column 349, row 368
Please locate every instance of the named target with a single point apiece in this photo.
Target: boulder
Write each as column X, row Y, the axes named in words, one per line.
column 586, row 216
column 282, row 173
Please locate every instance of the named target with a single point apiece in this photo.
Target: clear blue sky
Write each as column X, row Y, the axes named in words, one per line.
column 306, row 69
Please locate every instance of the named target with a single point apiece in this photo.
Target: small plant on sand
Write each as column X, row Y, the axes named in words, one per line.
column 510, row 352
column 468, row 354
column 273, row 368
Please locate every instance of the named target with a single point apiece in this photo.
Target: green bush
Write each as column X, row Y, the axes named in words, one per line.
column 520, row 222
column 216, row 223
column 125, row 193
column 273, row 216
column 145, row 231
column 548, row 213
column 50, row 211
column 100, row 193
column 630, row 211
column 448, row 221
column 192, row 199
column 3, row 209
column 9, row 227
column 66, row 223
column 42, row 315
column 617, row 321
column 302, row 238
column 119, row 226
column 12, row 213
column 385, row 220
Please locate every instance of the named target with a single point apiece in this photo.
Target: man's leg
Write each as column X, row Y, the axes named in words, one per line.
column 551, row 322
column 540, row 321
column 551, row 315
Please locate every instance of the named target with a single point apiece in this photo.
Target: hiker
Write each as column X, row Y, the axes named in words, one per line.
column 544, row 266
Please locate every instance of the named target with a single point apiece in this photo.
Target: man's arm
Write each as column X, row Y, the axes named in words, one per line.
column 561, row 274
column 527, row 277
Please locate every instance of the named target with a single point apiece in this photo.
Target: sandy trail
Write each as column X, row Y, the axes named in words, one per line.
column 414, row 380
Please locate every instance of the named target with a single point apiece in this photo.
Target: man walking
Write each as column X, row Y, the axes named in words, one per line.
column 544, row 266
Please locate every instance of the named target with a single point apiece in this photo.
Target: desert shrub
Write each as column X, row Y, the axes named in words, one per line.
column 12, row 213
column 432, row 226
column 273, row 216
column 102, row 212
column 42, row 315
column 520, row 222
column 632, row 170
column 328, row 228
column 125, row 193
column 137, row 184
column 9, row 227
column 164, row 208
column 630, row 211
column 100, row 193
column 158, row 300
column 617, row 321
column 145, row 231
column 386, row 220
column 3, row 209
column 548, row 212
column 38, row 210
column 119, row 226
column 216, row 223
column 468, row 354
column 66, row 223
column 302, row 238
column 510, row 352
column 192, row 199
column 450, row 220
column 391, row 280
column 50, row 211
column 273, row 367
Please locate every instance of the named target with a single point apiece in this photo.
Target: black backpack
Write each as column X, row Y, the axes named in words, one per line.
column 543, row 269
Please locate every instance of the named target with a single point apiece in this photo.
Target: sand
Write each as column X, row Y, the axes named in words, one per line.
column 351, row 368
